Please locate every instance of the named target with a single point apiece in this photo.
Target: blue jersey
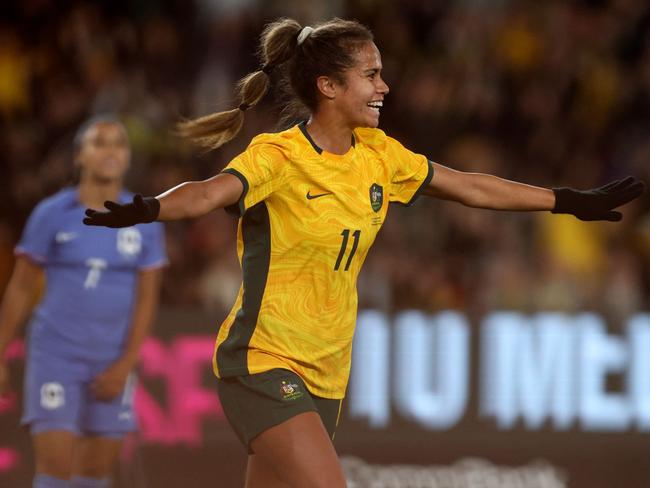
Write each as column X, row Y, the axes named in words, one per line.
column 91, row 277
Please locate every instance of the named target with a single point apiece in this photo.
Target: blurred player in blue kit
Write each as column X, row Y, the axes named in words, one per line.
column 102, row 288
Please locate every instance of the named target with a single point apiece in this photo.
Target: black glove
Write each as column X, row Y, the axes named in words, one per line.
column 140, row 211
column 597, row 204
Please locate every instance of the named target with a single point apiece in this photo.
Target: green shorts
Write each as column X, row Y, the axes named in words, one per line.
column 256, row 402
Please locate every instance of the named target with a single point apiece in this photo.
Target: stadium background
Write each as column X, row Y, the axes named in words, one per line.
column 550, row 93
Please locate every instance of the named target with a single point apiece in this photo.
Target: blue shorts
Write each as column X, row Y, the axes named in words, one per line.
column 58, row 397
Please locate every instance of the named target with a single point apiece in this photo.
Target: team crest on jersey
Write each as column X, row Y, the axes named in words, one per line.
column 376, row 197
column 52, row 396
column 290, row 391
column 129, row 242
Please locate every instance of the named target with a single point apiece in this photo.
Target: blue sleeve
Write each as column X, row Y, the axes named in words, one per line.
column 38, row 235
column 154, row 255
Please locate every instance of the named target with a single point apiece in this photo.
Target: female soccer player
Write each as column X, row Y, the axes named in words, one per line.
column 100, row 297
column 311, row 200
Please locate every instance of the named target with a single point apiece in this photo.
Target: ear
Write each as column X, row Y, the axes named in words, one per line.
column 326, row 86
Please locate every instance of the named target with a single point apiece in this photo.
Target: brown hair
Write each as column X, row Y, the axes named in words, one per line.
column 80, row 135
column 328, row 50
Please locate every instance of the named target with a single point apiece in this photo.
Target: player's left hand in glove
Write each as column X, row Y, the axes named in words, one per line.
column 598, row 203
column 140, row 211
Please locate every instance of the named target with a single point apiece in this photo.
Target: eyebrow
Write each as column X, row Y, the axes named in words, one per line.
column 372, row 70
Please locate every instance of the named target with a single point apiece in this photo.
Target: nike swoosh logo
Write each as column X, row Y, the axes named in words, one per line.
column 311, row 197
column 62, row 237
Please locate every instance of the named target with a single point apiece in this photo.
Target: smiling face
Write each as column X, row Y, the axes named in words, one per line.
column 104, row 152
column 360, row 96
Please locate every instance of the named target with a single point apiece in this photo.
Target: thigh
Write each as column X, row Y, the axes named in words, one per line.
column 300, row 452
column 330, row 413
column 260, row 474
column 95, row 456
column 53, row 452
column 53, row 393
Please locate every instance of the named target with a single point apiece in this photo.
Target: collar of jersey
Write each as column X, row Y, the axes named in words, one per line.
column 303, row 128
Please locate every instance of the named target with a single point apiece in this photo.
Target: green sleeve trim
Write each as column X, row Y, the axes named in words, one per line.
column 238, row 208
column 421, row 188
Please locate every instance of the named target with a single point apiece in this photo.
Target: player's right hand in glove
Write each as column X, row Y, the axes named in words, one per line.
column 598, row 203
column 140, row 211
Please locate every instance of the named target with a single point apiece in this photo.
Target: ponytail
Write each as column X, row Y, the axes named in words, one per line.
column 277, row 45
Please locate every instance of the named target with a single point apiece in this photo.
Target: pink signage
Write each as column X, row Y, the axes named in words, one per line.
column 182, row 366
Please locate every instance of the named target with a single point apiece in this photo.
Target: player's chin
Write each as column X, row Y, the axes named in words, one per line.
column 109, row 177
column 371, row 121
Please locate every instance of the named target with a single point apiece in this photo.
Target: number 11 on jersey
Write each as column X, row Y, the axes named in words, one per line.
column 344, row 245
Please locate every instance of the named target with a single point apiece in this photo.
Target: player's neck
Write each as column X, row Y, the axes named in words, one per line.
column 93, row 194
column 329, row 134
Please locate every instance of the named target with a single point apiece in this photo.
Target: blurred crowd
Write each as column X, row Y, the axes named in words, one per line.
column 553, row 93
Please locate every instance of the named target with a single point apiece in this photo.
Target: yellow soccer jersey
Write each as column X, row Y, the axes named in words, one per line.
column 308, row 218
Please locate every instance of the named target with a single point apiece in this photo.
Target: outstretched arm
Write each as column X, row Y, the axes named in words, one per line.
column 196, row 198
column 491, row 192
column 189, row 199
column 486, row 191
